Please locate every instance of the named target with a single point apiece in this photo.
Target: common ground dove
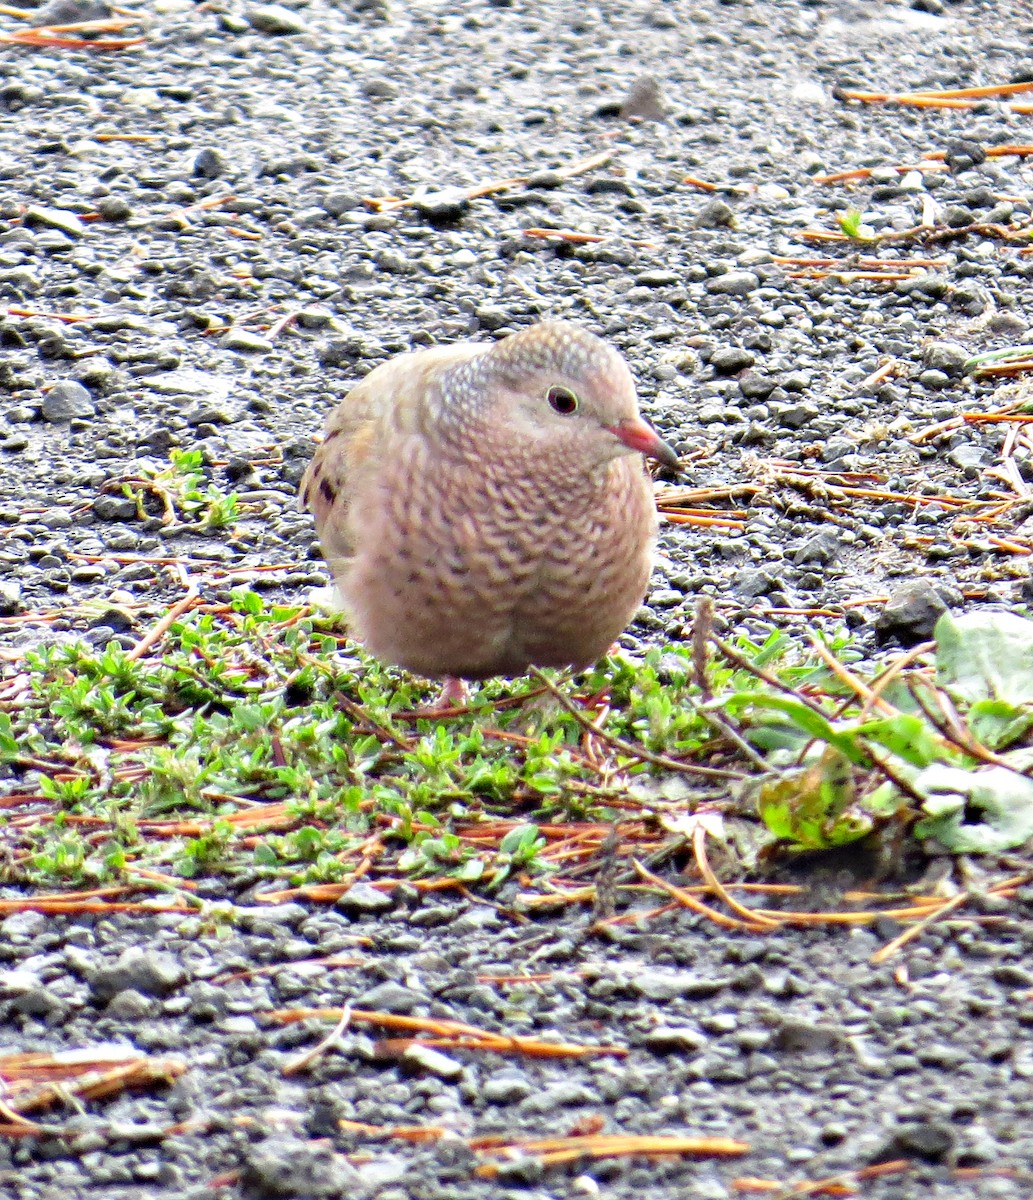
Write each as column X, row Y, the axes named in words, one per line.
column 484, row 506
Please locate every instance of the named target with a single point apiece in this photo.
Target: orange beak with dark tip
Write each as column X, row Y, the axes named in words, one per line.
column 637, row 435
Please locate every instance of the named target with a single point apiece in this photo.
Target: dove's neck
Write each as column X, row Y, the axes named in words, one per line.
column 462, row 404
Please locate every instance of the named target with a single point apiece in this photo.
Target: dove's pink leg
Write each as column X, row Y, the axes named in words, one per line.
column 454, row 694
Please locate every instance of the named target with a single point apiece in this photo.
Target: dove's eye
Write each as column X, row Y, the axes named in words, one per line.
column 562, row 400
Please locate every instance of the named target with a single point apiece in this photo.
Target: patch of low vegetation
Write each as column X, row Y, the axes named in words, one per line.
column 180, row 492
column 257, row 739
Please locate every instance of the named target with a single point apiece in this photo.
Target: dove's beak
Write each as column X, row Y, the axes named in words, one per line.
column 637, row 435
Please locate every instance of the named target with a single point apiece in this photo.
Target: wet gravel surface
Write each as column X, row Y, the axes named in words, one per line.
column 198, row 205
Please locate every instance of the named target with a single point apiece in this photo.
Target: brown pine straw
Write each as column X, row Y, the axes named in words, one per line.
column 1004, row 413
column 699, row 849
column 908, row 935
column 40, row 1080
column 687, row 900
column 559, row 1151
column 834, row 1185
column 575, row 237
column 1007, row 547
column 456, row 1035
column 924, row 909
column 580, row 167
column 95, row 900
column 1015, row 366
column 414, row 1134
column 969, row 93
column 891, row 673
column 871, row 698
column 52, row 35
column 631, row 749
column 860, row 261
column 933, row 161
column 880, row 375
column 149, row 640
column 850, row 176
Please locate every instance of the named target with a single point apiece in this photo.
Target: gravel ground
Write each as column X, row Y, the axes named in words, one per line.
column 186, row 198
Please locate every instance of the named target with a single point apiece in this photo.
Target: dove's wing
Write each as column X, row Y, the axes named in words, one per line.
column 359, row 434
column 327, row 486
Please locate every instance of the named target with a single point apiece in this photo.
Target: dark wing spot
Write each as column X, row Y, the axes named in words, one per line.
column 326, row 490
column 306, row 497
column 331, row 435
column 317, row 469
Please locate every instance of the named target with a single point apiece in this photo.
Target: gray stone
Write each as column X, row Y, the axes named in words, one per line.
column 54, row 218
column 129, row 1005
column 733, row 283
column 507, row 1087
column 754, row 581
column 191, row 382
column 668, row 985
column 379, row 88
column 296, row 1168
column 957, row 216
column 17, row 982
column 807, row 1037
column 932, row 1141
column 274, row 19
column 821, row 548
column 432, row 1062
column 910, row 614
column 117, row 619
column 433, row 916
column 10, row 597
column 40, row 1002
column 948, row 357
column 243, row 341
column 208, row 164
column 756, row 386
column 93, row 372
column 271, row 918
column 22, row 926
column 114, row 508
column 449, row 204
column 338, row 201
column 153, row 973
column 363, row 898
column 715, row 214
column 671, row 1039
column 970, row 458
column 795, row 416
column 728, row 360
column 392, row 998
column 114, row 208
column 67, row 401
column 558, row 1095
column 475, row 919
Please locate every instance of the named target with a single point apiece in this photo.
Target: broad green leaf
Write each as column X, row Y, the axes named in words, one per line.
column 985, row 656
column 908, row 737
column 982, row 812
column 986, row 660
column 814, row 807
column 518, row 839
column 8, row 743
column 998, row 723
column 809, row 722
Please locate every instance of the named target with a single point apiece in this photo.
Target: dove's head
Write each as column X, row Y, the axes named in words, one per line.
column 556, row 387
